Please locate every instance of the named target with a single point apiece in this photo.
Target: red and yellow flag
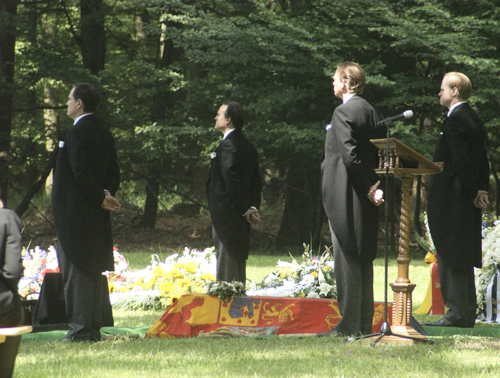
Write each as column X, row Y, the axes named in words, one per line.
column 198, row 315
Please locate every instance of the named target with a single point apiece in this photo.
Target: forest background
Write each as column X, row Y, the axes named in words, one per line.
column 165, row 66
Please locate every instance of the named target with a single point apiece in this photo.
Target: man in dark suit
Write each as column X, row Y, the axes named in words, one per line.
column 11, row 268
column 86, row 177
column 456, row 197
column 234, row 192
column 350, row 198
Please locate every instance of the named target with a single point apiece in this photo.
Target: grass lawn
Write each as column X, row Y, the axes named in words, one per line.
column 455, row 352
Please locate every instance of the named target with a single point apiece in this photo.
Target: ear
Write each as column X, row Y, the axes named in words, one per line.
column 80, row 103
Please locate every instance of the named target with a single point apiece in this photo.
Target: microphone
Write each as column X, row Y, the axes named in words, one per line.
column 406, row 114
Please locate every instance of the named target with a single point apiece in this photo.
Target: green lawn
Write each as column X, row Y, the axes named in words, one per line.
column 455, row 352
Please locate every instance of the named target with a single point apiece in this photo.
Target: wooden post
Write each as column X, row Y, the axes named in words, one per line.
column 406, row 163
column 403, row 288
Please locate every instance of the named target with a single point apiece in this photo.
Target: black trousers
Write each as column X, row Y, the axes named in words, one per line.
column 354, row 279
column 15, row 316
column 230, row 267
column 459, row 293
column 87, row 300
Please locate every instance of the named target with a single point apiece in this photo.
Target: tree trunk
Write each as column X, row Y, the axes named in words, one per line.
column 151, row 205
column 50, row 121
column 302, row 216
column 160, row 108
column 8, row 15
column 92, row 34
column 35, row 188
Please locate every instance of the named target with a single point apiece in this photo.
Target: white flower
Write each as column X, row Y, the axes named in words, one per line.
column 325, row 289
column 312, row 294
column 307, row 280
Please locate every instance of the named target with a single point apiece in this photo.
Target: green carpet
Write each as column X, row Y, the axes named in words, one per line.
column 107, row 332
column 480, row 330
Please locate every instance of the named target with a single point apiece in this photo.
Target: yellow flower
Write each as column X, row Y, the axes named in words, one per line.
column 207, row 277
column 182, row 282
column 190, row 267
column 175, row 272
column 197, row 288
column 430, row 258
column 165, row 288
column 158, row 271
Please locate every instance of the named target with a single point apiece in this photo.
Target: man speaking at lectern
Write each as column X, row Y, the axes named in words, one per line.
column 350, row 198
column 456, row 197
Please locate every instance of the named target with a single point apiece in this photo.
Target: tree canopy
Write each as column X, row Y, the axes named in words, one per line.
column 165, row 65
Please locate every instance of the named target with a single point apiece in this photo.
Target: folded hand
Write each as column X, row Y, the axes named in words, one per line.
column 481, row 201
column 376, row 195
column 252, row 216
column 111, row 203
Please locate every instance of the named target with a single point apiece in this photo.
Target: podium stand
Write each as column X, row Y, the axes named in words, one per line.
column 398, row 160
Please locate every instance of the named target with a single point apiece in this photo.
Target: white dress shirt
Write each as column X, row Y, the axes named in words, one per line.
column 75, row 121
column 452, row 108
column 226, row 133
column 347, row 96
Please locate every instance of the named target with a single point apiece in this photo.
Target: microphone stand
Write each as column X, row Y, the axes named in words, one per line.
column 385, row 328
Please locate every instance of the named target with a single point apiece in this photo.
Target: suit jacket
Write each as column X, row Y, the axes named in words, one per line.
column 85, row 165
column 11, row 267
column 347, row 175
column 454, row 221
column 234, row 185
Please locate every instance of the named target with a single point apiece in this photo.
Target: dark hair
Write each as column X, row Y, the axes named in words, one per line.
column 234, row 112
column 88, row 94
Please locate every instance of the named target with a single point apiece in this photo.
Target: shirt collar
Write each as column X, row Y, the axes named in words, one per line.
column 227, row 132
column 347, row 96
column 452, row 108
column 80, row 117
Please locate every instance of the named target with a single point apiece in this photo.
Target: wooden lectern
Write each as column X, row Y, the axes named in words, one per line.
column 399, row 160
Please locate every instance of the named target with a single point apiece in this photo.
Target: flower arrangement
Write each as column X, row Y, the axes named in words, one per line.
column 491, row 264
column 226, row 290
column 312, row 277
column 154, row 287
column 36, row 262
column 189, row 271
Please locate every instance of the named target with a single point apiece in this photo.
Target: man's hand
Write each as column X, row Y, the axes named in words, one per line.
column 110, row 203
column 481, row 201
column 252, row 216
column 376, row 195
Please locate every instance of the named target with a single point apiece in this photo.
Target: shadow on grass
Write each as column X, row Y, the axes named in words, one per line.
column 271, row 356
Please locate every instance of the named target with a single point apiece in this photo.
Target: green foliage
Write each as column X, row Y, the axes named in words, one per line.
column 169, row 64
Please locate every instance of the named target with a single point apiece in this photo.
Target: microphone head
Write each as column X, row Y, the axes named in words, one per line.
column 408, row 114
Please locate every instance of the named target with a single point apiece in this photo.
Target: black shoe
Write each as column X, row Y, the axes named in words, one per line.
column 443, row 322
column 333, row 332
column 80, row 339
column 440, row 323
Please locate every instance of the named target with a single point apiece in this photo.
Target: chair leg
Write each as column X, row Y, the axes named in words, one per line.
column 8, row 353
